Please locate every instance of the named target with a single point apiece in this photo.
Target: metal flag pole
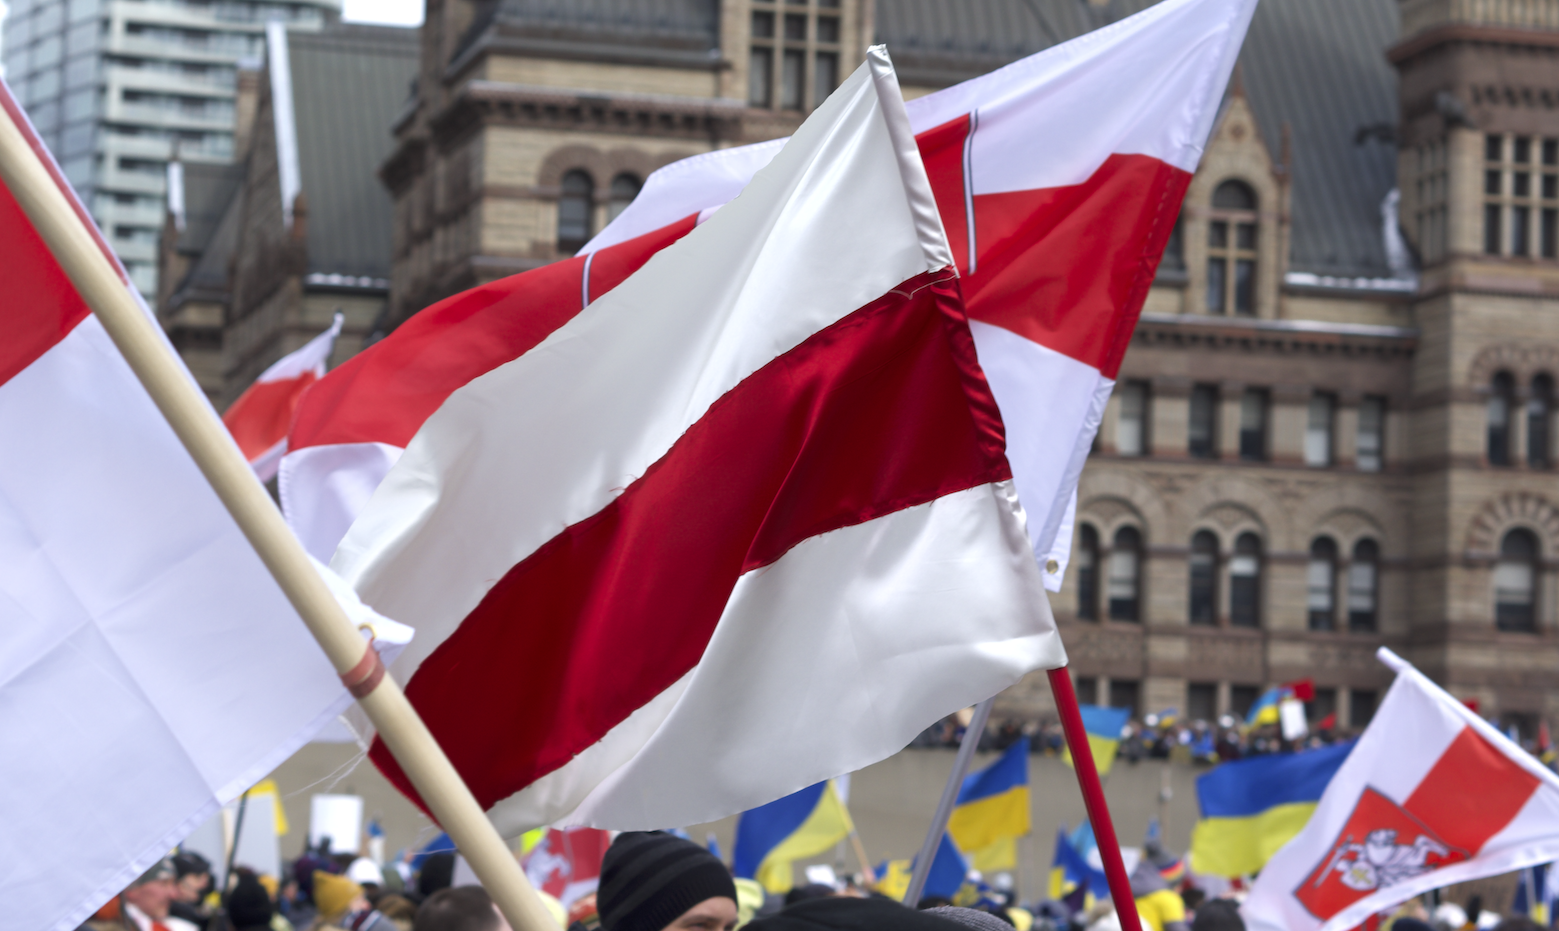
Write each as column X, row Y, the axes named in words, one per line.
column 238, row 830
column 1093, row 798
column 944, row 807
column 84, row 260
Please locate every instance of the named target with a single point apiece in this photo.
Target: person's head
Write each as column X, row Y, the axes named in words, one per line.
column 249, row 903
column 336, row 896
column 463, row 908
column 975, row 918
column 809, row 891
column 153, row 891
column 1513, row 923
column 438, row 872
column 192, row 876
column 652, row 881
column 1218, row 915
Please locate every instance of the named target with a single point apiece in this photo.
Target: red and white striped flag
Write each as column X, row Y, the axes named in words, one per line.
column 566, row 864
column 260, row 418
column 1431, row 795
column 740, row 525
column 152, row 670
column 1059, row 179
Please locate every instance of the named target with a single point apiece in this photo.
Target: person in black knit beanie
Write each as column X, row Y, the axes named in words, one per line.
column 652, row 881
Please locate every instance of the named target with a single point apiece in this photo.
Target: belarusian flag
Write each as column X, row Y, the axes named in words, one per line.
column 742, row 524
column 152, row 670
column 1431, row 795
column 1058, row 178
column 262, row 415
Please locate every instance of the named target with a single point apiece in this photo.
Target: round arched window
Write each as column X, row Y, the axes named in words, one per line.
column 1245, row 582
column 1515, row 582
column 575, row 206
column 1125, row 575
column 1204, row 578
column 1321, row 585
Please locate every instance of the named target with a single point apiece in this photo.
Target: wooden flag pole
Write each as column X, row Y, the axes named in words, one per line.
column 136, row 335
column 1093, row 798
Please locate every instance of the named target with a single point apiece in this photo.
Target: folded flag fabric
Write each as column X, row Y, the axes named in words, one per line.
column 1252, row 807
column 566, row 864
column 992, row 810
column 771, row 837
column 948, row 871
column 1057, row 246
column 1070, row 871
column 1431, row 795
column 736, row 497
column 152, row 668
column 262, row 415
column 1103, row 726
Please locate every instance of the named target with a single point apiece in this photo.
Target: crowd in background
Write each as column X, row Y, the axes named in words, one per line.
column 1153, row 737
column 655, row 881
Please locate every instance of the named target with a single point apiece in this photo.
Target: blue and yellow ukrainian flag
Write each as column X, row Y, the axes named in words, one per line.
column 1069, row 870
column 1265, row 710
column 1251, row 807
column 804, row 824
column 1103, row 726
column 992, row 811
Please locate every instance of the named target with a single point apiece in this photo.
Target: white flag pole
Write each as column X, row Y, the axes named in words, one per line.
column 135, row 334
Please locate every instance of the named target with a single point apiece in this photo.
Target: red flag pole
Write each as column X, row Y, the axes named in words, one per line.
column 1093, row 799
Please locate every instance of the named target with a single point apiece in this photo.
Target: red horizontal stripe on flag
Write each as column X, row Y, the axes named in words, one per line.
column 884, row 410
column 385, row 393
column 260, row 417
column 1070, row 267
column 1471, row 793
column 42, row 306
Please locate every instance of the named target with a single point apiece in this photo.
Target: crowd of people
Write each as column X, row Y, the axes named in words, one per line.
column 655, row 881
column 1154, row 737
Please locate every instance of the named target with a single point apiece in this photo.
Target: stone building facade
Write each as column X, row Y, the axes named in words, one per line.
column 1334, row 428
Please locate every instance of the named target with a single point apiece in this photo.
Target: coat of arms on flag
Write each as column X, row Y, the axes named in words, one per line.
column 1430, row 795
column 1381, row 845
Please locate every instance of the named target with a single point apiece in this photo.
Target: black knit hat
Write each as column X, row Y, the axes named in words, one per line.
column 648, row 879
column 248, row 904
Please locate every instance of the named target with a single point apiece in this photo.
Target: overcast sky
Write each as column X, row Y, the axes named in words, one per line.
column 390, row 12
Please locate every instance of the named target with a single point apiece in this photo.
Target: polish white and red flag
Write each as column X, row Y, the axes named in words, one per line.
column 152, row 670
column 262, row 415
column 742, row 524
column 1431, row 795
column 1058, row 178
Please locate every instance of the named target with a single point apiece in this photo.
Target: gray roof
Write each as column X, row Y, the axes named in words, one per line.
column 673, row 31
column 208, row 277
column 348, row 84
column 208, row 189
column 1317, row 65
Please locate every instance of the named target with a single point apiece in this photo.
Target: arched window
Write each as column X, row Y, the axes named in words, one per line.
column 1125, row 577
column 1245, row 582
column 1204, row 578
column 1363, row 585
column 1231, row 250
column 1515, row 582
column 1321, row 585
column 625, row 188
column 1539, row 407
column 1501, row 400
column 1087, row 563
column 575, row 207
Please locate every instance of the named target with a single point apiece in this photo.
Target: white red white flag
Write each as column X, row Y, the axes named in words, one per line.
column 566, row 864
column 1431, row 795
column 262, row 415
column 1058, row 178
column 152, row 670
column 740, row 525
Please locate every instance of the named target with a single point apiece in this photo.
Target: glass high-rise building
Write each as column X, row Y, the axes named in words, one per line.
column 117, row 88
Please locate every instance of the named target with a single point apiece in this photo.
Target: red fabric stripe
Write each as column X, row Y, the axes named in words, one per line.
column 1070, row 268
column 384, row 394
column 885, row 410
column 260, row 417
column 43, row 306
column 1471, row 793
column 942, row 152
